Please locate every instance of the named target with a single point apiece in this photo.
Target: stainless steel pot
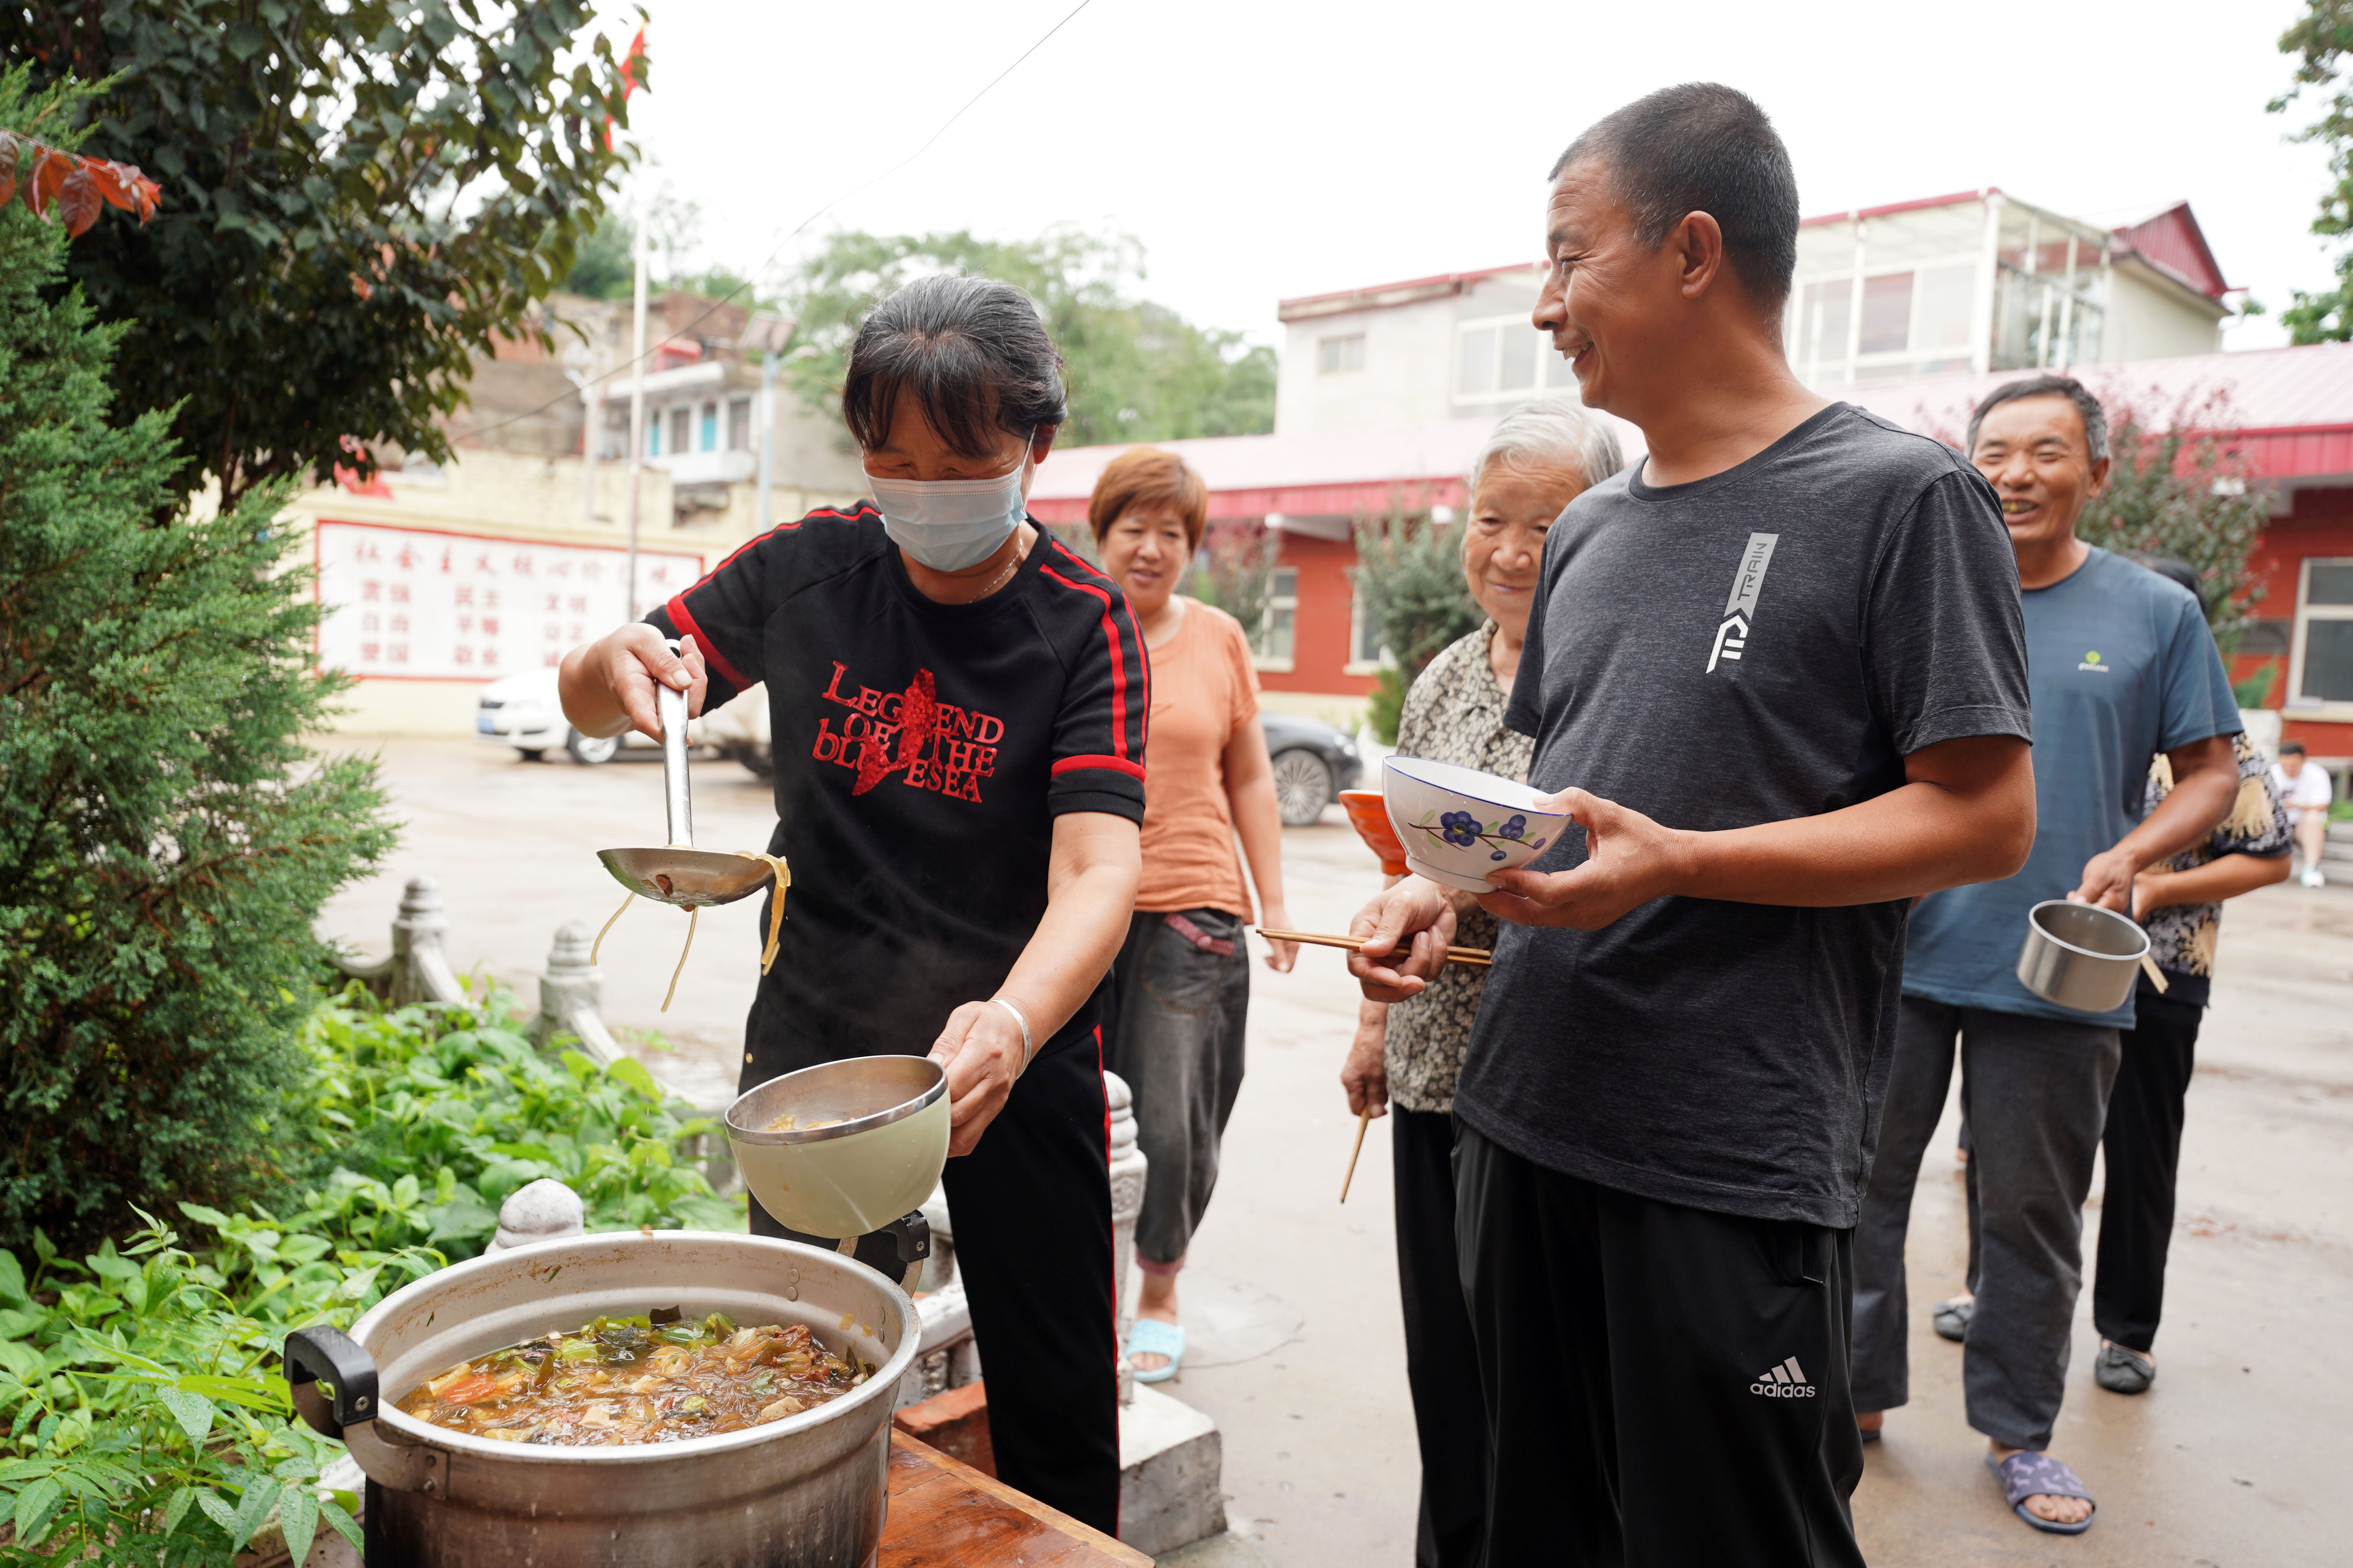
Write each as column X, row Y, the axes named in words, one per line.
column 871, row 1140
column 808, row 1491
column 2081, row 955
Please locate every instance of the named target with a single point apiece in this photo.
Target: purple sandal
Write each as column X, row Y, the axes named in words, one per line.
column 2027, row 1474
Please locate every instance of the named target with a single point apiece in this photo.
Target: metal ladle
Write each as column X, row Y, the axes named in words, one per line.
column 678, row 873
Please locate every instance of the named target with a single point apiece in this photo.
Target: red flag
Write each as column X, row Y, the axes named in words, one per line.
column 633, row 66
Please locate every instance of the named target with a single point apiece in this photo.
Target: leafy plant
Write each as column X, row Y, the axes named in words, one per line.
column 1236, row 571
column 429, row 1116
column 2320, row 39
column 144, row 1417
column 165, row 840
column 2177, row 487
column 358, row 199
column 1135, row 371
column 1410, row 573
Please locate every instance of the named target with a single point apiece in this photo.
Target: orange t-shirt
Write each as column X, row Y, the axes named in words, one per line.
column 1204, row 690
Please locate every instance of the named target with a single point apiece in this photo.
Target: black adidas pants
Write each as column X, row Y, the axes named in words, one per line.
column 1666, row 1387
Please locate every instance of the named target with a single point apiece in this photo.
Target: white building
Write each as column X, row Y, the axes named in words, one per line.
column 1952, row 285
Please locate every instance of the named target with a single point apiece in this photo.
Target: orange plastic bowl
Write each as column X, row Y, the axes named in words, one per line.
column 1368, row 813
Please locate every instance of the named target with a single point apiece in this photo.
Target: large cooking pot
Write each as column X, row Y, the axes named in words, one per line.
column 804, row 1493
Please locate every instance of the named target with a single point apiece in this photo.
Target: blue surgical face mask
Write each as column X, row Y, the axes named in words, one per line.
column 950, row 524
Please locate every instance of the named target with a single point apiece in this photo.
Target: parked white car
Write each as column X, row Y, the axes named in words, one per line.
column 522, row 711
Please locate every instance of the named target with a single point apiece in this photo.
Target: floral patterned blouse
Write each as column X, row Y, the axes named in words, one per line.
column 1454, row 713
column 2181, row 937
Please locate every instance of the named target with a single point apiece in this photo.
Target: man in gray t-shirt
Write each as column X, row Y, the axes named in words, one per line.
column 1663, row 1119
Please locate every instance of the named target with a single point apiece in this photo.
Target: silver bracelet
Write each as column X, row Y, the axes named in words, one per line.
column 1028, row 1048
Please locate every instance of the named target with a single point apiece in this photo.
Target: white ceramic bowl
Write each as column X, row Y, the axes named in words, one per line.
column 1457, row 824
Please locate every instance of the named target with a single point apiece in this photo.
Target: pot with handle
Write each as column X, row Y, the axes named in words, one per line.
column 2081, row 956
column 808, row 1491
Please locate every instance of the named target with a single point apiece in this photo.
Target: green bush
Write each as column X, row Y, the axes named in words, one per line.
column 164, row 839
column 144, row 1418
column 1409, row 575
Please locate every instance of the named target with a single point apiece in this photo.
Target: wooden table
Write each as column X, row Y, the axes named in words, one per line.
column 944, row 1511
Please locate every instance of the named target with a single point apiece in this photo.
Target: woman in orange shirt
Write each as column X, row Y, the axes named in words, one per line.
column 1182, row 980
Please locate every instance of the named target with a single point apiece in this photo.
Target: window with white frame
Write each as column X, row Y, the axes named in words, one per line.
column 1278, row 633
column 1367, row 652
column 1501, row 359
column 739, row 424
column 681, row 429
column 2321, row 655
column 1337, row 357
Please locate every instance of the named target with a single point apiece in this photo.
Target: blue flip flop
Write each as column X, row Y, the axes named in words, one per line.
column 1150, row 1336
column 2027, row 1474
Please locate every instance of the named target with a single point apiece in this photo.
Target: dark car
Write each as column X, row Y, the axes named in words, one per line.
column 1313, row 763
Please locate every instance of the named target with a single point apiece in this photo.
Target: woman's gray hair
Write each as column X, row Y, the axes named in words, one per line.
column 1552, row 430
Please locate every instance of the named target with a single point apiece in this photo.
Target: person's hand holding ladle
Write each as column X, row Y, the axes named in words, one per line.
column 608, row 686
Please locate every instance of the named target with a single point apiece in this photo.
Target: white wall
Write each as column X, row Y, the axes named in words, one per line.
column 1404, row 382
column 2151, row 317
column 1410, row 362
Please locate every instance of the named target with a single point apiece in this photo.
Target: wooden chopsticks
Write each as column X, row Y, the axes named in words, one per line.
column 1477, row 957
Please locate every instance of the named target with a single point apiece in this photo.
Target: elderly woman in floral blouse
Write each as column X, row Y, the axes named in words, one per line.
column 1406, row 1055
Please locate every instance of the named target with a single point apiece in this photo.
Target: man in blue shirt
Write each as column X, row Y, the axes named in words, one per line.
column 2121, row 667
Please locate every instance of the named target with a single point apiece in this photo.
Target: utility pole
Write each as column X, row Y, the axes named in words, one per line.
column 767, row 430
column 592, row 394
column 637, row 398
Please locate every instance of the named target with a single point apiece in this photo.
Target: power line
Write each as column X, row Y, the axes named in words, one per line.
column 723, row 300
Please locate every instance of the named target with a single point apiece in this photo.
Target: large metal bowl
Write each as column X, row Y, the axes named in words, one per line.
column 808, row 1491
column 2081, row 956
column 868, row 1139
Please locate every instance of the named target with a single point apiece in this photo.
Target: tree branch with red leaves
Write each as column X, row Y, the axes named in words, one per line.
column 58, row 186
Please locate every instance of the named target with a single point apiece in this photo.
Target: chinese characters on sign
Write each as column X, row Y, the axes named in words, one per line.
column 449, row 606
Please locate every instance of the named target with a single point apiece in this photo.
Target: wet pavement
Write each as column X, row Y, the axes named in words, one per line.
column 2236, row 1457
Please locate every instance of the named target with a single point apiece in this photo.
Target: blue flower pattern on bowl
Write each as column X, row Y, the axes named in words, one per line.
column 1462, row 831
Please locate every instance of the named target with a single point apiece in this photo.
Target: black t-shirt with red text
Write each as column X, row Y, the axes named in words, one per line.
column 922, row 752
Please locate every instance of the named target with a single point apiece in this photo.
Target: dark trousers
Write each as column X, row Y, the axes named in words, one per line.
column 2035, row 1091
column 1442, row 1362
column 1033, row 1211
column 1666, row 1387
column 2143, row 1143
column 1173, row 1031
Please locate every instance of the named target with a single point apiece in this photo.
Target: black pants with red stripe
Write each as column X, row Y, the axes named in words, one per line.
column 1666, row 1386
column 1033, row 1211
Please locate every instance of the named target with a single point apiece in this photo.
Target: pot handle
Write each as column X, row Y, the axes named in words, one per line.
column 323, row 1354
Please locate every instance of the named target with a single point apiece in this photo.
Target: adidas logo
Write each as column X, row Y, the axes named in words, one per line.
column 1783, row 1382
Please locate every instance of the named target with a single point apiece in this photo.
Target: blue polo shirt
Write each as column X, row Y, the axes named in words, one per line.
column 2121, row 667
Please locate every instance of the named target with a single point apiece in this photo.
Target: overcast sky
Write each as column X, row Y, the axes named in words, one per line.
column 1261, row 149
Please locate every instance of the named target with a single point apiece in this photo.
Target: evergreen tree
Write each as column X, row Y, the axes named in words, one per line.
column 165, row 841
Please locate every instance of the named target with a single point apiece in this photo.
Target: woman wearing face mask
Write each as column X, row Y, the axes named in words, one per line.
column 1183, row 978
column 1407, row 1053
column 958, row 705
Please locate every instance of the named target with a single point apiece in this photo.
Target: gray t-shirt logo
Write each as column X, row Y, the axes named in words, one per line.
column 1733, row 635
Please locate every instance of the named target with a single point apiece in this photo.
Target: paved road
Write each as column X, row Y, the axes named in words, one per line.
column 2236, row 1457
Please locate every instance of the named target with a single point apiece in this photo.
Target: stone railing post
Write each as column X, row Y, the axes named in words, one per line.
column 418, row 969
column 570, row 997
column 1127, row 1171
column 420, row 966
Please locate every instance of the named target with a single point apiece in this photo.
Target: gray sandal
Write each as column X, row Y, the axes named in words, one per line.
column 2122, row 1370
column 2027, row 1474
column 1951, row 1318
